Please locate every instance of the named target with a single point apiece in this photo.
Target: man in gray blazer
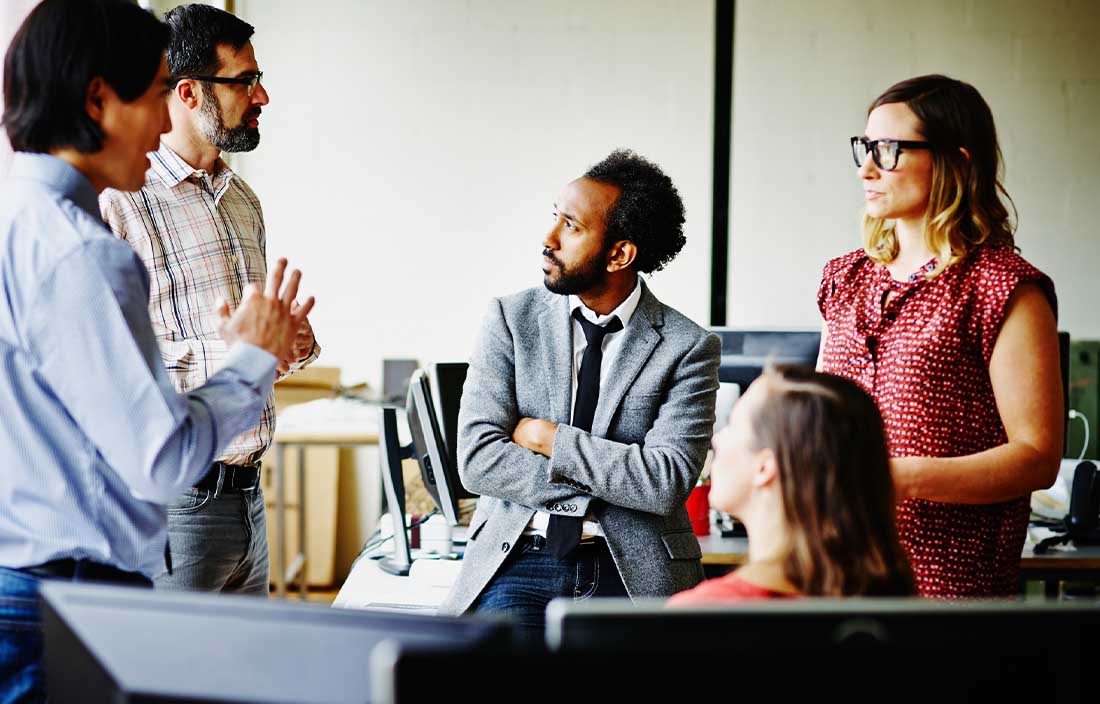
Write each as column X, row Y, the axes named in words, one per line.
column 584, row 454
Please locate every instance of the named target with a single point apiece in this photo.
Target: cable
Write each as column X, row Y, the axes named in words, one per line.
column 1073, row 414
column 370, row 546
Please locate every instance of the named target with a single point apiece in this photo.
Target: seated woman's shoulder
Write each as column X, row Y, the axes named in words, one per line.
column 723, row 590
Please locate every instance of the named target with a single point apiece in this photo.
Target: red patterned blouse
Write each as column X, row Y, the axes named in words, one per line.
column 924, row 357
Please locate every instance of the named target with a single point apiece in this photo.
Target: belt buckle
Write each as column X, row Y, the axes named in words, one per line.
column 221, row 479
column 227, row 478
column 256, row 479
column 237, row 469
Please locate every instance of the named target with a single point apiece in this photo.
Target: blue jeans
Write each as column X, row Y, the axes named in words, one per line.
column 21, row 677
column 531, row 577
column 218, row 543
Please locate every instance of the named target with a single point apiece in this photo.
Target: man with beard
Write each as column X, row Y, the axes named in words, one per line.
column 587, row 411
column 199, row 229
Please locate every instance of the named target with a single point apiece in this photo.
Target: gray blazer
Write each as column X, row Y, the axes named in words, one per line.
column 648, row 441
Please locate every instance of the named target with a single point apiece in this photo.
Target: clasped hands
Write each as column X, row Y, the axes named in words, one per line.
column 536, row 435
column 272, row 320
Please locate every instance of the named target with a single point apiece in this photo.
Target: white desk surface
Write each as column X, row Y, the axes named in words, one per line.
column 370, row 587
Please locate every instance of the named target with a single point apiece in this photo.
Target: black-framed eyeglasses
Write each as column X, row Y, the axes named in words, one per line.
column 250, row 81
column 884, row 152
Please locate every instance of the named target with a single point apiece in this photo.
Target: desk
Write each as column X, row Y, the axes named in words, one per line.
column 369, row 587
column 732, row 552
column 283, row 440
column 1059, row 564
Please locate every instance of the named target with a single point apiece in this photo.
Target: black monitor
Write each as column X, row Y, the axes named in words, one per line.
column 1063, row 366
column 745, row 353
column 391, row 452
column 869, row 649
column 432, row 409
column 125, row 644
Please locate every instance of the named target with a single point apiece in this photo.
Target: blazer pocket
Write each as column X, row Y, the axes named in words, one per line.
column 682, row 545
column 640, row 402
column 474, row 530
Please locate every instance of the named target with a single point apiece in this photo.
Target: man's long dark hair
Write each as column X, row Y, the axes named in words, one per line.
column 58, row 50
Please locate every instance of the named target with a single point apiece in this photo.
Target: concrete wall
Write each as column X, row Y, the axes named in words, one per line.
column 804, row 73
column 412, row 151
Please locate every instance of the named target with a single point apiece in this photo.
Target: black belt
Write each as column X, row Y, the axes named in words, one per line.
column 539, row 542
column 86, row 571
column 224, row 477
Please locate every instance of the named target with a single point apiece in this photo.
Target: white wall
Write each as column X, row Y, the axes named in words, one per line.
column 412, row 151
column 804, row 73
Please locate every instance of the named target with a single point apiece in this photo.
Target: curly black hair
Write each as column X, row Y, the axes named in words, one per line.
column 648, row 211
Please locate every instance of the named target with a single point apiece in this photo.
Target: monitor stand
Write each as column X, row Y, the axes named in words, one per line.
column 391, row 452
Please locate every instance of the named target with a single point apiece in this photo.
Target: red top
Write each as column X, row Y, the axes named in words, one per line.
column 924, row 357
column 725, row 589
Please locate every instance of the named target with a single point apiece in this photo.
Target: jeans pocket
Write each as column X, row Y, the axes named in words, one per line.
column 582, row 590
column 191, row 501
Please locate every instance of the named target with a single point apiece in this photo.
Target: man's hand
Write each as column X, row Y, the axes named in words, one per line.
column 535, row 435
column 303, row 344
column 269, row 320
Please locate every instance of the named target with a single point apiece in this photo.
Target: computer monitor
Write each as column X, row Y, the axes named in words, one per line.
column 1063, row 366
column 432, row 410
column 745, row 353
column 863, row 647
column 446, row 380
column 125, row 644
column 391, row 452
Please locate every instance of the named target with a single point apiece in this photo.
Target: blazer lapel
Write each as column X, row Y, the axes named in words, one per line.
column 641, row 339
column 556, row 341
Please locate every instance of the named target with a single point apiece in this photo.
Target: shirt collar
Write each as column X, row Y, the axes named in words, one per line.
column 170, row 168
column 59, row 176
column 624, row 311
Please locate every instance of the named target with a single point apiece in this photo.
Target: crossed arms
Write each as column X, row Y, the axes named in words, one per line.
column 505, row 456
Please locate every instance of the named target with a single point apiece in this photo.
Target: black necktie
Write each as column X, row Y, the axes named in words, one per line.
column 563, row 533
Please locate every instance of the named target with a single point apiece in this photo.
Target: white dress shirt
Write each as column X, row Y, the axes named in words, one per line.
column 612, row 345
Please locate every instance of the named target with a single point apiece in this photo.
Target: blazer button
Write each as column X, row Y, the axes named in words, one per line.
column 505, row 547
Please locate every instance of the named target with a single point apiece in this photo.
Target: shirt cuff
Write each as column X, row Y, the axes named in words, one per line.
column 253, row 365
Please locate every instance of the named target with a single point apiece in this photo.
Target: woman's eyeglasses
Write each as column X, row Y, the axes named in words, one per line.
column 884, row 152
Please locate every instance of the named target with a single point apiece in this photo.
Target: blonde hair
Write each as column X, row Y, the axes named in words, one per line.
column 964, row 202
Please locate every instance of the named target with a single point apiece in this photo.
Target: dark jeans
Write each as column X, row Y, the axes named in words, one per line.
column 21, row 675
column 531, row 577
column 219, row 543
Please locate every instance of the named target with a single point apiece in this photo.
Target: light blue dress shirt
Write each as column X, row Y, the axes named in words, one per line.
column 94, row 440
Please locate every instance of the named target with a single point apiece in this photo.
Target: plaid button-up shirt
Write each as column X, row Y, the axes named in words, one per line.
column 201, row 236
